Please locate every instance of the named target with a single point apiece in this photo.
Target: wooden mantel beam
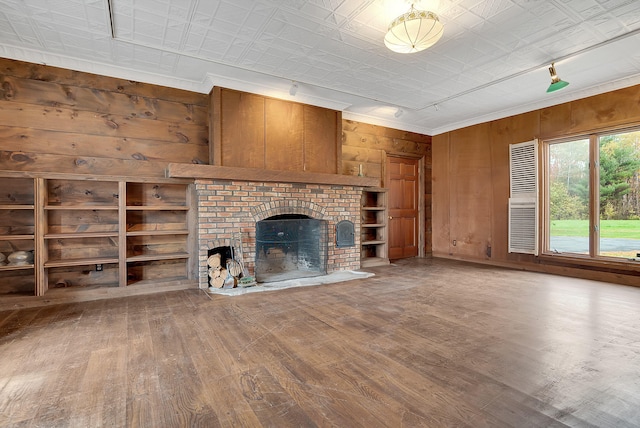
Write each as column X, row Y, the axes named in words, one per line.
column 213, row 172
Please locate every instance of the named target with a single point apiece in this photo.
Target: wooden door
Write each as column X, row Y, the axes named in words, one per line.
column 402, row 182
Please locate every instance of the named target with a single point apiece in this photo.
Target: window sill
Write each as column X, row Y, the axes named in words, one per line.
column 608, row 264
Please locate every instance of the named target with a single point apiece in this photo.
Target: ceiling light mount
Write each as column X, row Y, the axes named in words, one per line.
column 293, row 90
column 556, row 82
column 413, row 31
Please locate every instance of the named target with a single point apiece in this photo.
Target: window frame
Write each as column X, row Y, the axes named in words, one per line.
column 594, row 198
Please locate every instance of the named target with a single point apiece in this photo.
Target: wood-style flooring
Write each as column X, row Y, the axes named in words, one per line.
column 424, row 343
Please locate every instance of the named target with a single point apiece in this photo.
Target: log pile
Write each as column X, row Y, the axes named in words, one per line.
column 234, row 273
column 217, row 273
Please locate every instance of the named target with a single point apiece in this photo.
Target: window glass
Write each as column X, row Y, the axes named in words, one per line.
column 619, row 194
column 569, row 197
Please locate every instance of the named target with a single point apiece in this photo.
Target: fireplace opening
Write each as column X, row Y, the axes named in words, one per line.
column 290, row 246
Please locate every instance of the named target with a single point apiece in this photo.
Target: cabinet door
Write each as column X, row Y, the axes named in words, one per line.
column 284, row 135
column 320, row 140
column 242, row 129
column 261, row 132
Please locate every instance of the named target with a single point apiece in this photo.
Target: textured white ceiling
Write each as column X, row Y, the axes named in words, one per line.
column 491, row 62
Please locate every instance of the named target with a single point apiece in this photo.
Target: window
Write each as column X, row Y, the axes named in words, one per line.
column 593, row 195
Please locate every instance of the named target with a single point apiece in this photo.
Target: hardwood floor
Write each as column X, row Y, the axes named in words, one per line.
column 423, row 343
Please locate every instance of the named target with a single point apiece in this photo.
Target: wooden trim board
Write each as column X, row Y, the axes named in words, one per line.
column 185, row 170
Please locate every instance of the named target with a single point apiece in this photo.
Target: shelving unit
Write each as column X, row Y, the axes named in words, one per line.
column 17, row 233
column 373, row 226
column 157, row 234
column 80, row 238
column 88, row 233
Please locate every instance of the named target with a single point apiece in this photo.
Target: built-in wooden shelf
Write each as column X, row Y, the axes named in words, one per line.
column 157, row 232
column 16, row 237
column 81, row 235
column 152, row 257
column 82, row 207
column 373, row 226
column 16, row 267
column 375, row 261
column 16, row 207
column 157, row 208
column 377, row 242
column 81, row 262
column 73, row 224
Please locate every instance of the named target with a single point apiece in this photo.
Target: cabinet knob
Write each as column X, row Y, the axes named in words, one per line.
column 390, row 218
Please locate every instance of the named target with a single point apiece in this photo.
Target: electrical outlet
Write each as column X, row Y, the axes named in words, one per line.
column 98, row 268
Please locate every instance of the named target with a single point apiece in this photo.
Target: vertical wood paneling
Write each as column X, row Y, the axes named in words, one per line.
column 320, row 144
column 606, row 110
column 611, row 109
column 471, row 191
column 243, row 130
column 284, row 135
column 555, row 120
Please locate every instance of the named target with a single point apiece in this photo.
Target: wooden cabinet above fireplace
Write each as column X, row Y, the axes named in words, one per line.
column 253, row 131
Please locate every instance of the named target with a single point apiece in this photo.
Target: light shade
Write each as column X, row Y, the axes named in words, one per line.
column 413, row 31
column 556, row 82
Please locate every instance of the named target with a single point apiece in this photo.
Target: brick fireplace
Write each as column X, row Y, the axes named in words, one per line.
column 228, row 207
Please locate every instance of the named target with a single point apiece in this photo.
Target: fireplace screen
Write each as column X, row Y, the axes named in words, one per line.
column 289, row 247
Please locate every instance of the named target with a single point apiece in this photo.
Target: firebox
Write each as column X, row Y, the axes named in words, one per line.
column 290, row 246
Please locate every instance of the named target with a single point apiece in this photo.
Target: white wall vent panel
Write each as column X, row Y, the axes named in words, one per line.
column 523, row 226
column 523, row 203
column 523, row 167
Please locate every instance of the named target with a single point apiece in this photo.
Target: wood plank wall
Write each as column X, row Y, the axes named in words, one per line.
column 57, row 120
column 54, row 120
column 369, row 146
column 471, row 180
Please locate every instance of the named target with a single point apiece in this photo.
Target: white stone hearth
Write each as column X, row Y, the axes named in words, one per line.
column 332, row 278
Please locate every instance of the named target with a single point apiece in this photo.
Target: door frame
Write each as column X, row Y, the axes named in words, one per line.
column 421, row 187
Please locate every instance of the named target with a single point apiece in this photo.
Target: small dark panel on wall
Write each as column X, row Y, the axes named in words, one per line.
column 345, row 234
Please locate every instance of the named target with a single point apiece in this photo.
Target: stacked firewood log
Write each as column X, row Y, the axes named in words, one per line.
column 217, row 273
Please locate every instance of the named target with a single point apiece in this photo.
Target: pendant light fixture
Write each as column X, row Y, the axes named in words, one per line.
column 556, row 82
column 413, row 31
